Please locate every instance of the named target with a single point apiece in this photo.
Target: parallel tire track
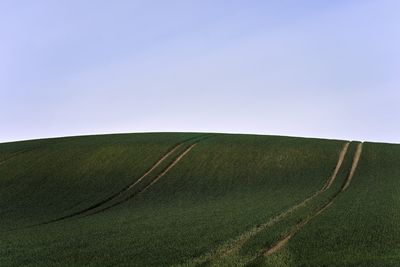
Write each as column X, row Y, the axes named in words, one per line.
column 94, row 206
column 137, row 182
column 282, row 242
column 238, row 242
column 151, row 183
column 339, row 164
column 150, row 170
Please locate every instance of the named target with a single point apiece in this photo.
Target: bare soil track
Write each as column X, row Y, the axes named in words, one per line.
column 338, row 165
column 137, row 182
column 125, row 198
column 124, row 193
column 234, row 245
column 282, row 242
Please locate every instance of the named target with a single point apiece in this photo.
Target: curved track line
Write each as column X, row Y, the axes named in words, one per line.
column 118, row 193
column 110, row 198
column 199, row 138
column 339, row 164
column 356, row 159
column 151, row 169
column 169, row 167
column 282, row 242
column 238, row 242
column 152, row 182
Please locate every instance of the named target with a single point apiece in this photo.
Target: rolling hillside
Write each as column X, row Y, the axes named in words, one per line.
column 191, row 199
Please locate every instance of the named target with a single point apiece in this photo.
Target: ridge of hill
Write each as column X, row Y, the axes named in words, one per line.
column 191, row 199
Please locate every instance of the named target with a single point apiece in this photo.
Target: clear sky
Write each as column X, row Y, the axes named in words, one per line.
column 302, row 68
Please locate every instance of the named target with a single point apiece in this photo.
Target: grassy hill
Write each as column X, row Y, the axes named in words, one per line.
column 189, row 199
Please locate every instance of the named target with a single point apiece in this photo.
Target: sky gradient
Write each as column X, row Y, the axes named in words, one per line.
column 325, row 69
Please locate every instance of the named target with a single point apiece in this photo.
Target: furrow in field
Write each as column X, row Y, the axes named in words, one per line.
column 161, row 160
column 356, row 159
column 170, row 166
column 147, row 173
column 282, row 242
column 151, row 170
column 234, row 245
column 151, row 183
column 338, row 165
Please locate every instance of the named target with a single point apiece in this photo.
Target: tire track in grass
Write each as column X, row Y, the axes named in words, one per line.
column 169, row 167
column 282, row 242
column 148, row 172
column 234, row 245
column 356, row 159
column 94, row 206
column 130, row 186
column 158, row 177
column 339, row 164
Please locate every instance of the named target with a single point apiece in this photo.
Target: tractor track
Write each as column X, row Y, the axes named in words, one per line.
column 169, row 167
column 283, row 241
column 196, row 139
column 238, row 242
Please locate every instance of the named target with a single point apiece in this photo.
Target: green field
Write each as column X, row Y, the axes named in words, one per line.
column 191, row 199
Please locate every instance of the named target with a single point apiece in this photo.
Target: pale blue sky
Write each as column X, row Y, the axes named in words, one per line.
column 302, row 68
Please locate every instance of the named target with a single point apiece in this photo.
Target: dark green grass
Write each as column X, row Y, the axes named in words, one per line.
column 270, row 236
column 362, row 227
column 56, row 177
column 225, row 186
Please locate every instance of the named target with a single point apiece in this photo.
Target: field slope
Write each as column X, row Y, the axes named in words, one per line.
column 195, row 199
